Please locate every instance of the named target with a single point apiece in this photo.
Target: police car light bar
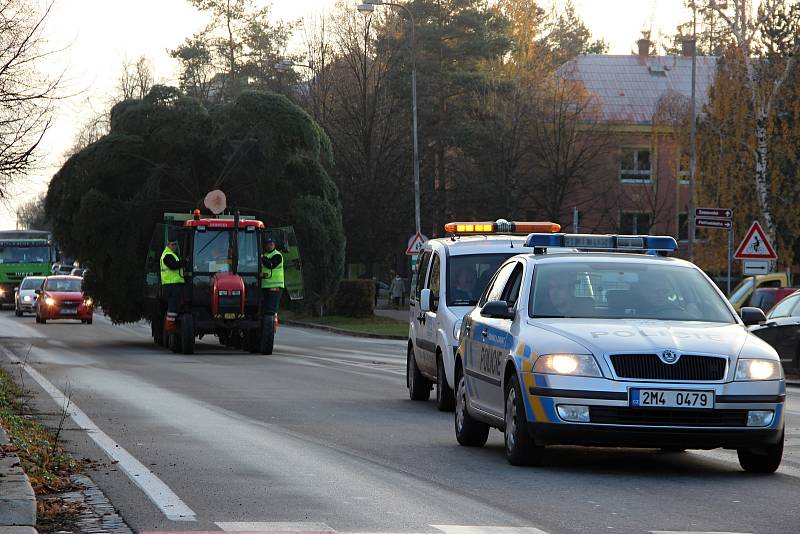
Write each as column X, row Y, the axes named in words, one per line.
column 500, row 226
column 603, row 242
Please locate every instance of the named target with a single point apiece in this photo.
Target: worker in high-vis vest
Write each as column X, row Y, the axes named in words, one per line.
column 171, row 281
column 271, row 277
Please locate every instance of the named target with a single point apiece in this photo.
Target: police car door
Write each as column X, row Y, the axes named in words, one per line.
column 491, row 341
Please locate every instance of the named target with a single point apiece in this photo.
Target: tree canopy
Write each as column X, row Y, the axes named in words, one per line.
column 163, row 153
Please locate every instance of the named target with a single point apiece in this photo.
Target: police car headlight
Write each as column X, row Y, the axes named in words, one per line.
column 457, row 331
column 567, row 364
column 757, row 369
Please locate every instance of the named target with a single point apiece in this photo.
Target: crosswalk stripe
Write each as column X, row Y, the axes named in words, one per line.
column 274, row 526
column 462, row 529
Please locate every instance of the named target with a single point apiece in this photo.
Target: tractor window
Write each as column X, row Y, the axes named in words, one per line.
column 248, row 252
column 212, row 251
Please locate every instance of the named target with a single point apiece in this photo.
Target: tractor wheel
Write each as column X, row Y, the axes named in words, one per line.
column 186, row 325
column 267, row 335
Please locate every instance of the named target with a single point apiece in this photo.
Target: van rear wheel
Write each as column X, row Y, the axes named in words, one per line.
column 419, row 388
column 445, row 399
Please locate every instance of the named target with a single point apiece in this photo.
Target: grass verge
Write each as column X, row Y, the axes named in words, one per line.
column 369, row 325
column 46, row 463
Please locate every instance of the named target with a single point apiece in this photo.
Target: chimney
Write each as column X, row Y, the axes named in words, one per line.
column 644, row 49
column 687, row 47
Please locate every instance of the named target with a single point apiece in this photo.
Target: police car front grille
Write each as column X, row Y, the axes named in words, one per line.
column 666, row 417
column 650, row 367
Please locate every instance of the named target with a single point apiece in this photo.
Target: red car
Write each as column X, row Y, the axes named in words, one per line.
column 61, row 297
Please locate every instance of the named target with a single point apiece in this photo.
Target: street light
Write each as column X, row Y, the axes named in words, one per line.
column 366, row 8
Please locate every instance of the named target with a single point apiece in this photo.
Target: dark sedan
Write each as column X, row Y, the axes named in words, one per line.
column 782, row 331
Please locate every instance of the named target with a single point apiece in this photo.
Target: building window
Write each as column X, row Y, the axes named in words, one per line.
column 634, row 223
column 635, row 165
column 683, row 167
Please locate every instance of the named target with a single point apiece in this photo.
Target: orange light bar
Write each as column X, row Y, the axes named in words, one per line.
column 501, row 227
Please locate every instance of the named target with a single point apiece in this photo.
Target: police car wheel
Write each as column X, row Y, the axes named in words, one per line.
column 766, row 459
column 520, row 449
column 419, row 388
column 469, row 432
column 445, row 399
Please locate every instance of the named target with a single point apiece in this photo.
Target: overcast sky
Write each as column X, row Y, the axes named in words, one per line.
column 99, row 35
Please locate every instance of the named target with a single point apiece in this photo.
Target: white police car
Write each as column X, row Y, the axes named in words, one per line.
column 618, row 349
column 450, row 276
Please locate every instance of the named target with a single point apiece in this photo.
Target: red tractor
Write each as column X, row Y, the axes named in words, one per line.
column 221, row 294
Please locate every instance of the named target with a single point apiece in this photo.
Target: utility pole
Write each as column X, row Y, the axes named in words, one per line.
column 692, row 135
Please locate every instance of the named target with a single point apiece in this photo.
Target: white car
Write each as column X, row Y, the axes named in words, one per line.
column 450, row 276
column 615, row 348
column 25, row 295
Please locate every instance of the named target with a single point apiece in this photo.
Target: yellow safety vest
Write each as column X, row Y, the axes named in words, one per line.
column 272, row 277
column 170, row 276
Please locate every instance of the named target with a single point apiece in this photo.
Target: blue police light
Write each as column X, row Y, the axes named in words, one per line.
column 603, row 242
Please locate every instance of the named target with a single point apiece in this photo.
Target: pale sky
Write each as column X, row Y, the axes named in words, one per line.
column 99, row 35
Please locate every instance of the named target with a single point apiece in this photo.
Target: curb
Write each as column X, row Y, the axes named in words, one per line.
column 341, row 331
column 17, row 500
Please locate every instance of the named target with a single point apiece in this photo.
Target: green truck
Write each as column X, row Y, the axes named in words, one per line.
column 23, row 253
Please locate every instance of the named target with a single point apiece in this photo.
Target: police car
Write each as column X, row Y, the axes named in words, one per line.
column 612, row 347
column 450, row 276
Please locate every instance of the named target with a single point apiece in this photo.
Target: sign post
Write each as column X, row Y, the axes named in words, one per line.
column 756, row 251
column 719, row 218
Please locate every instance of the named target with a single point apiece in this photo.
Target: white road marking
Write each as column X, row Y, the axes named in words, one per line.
column 285, row 526
column 159, row 493
column 692, row 532
column 461, row 529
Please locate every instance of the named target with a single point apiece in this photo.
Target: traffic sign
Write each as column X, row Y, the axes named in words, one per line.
column 415, row 244
column 755, row 245
column 716, row 213
column 753, row 267
column 723, row 224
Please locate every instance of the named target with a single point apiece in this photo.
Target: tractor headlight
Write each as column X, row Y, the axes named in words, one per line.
column 567, row 364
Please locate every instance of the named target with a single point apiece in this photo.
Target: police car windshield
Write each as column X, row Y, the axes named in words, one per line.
column 468, row 275
column 620, row 290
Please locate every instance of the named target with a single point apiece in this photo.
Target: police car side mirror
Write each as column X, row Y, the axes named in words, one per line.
column 752, row 316
column 497, row 309
column 425, row 300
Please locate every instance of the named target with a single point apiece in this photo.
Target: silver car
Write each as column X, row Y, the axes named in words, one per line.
column 616, row 349
column 25, row 295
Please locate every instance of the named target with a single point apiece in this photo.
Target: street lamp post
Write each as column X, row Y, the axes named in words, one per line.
column 368, row 7
column 692, row 136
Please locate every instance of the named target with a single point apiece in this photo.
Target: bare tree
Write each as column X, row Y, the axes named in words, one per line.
column 26, row 94
column 764, row 81
column 135, row 80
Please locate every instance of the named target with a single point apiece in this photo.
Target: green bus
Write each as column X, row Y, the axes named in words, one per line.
column 23, row 253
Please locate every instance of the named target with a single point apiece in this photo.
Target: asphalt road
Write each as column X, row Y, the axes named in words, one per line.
column 321, row 436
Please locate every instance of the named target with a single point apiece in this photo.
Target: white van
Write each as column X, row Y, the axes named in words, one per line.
column 451, row 274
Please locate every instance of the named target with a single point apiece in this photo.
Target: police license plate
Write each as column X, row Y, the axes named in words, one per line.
column 69, row 311
column 671, row 398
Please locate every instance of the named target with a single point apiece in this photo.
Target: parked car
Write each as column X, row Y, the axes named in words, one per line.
column 25, row 295
column 767, row 297
column 741, row 293
column 782, row 331
column 61, row 297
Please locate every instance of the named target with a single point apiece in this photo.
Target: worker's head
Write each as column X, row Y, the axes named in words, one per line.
column 173, row 245
column 269, row 244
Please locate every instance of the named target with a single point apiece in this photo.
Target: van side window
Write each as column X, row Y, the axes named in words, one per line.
column 422, row 270
column 433, row 283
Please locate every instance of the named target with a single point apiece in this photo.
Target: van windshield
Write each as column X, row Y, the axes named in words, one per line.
column 468, row 275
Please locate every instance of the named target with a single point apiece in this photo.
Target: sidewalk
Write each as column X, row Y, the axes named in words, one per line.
column 17, row 501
